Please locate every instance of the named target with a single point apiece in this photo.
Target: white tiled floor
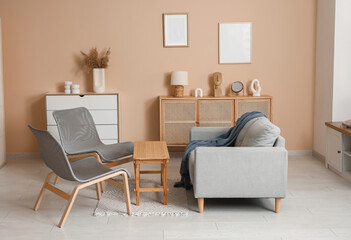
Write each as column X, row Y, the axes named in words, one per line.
column 318, row 206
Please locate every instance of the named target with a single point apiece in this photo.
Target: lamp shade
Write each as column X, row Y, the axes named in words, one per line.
column 179, row 78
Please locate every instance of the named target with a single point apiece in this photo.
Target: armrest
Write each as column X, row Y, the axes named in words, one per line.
column 206, row 133
column 280, row 142
column 240, row 172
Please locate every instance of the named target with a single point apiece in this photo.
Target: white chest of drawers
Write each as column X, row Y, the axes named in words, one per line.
column 103, row 107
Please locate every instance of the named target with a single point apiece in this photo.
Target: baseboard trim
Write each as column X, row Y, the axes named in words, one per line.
column 319, row 156
column 300, row 152
column 2, row 165
column 11, row 156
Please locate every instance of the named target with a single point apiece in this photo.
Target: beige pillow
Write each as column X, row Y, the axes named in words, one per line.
column 261, row 133
column 242, row 134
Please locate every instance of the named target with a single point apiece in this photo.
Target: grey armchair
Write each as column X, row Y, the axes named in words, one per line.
column 86, row 171
column 79, row 136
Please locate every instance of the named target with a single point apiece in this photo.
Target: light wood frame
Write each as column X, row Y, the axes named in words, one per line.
column 71, row 197
column 73, row 158
column 164, row 31
column 151, row 152
column 163, row 173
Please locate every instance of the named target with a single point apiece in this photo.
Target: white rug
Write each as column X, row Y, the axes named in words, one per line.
column 151, row 203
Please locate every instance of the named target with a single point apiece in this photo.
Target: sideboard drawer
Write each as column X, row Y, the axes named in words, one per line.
column 59, row 102
column 99, row 116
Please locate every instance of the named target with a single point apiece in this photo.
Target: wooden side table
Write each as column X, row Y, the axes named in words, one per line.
column 151, row 152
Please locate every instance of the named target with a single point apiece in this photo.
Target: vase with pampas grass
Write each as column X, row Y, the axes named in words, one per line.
column 97, row 63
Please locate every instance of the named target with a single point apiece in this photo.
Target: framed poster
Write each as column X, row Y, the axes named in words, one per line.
column 175, row 30
column 234, row 43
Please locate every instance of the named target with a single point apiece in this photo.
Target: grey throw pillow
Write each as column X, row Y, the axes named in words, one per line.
column 261, row 133
column 239, row 140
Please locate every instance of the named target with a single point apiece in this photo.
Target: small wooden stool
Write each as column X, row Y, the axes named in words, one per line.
column 151, row 152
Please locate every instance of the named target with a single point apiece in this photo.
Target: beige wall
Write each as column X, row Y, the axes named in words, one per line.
column 42, row 40
column 2, row 127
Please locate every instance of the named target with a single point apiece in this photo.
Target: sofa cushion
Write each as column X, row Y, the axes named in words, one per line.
column 261, row 133
column 239, row 140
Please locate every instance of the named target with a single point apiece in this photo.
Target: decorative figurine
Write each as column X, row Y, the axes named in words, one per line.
column 68, row 85
column 217, row 79
column 75, row 89
column 200, row 92
column 255, row 92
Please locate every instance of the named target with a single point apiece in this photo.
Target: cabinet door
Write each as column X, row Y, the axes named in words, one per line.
column 177, row 117
column 248, row 105
column 334, row 143
column 216, row 113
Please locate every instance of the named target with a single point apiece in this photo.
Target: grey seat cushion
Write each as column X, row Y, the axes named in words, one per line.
column 261, row 133
column 108, row 152
column 90, row 168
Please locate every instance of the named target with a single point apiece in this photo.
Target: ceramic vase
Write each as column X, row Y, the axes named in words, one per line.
column 99, row 80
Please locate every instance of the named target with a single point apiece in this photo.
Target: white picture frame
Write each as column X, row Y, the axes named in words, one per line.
column 175, row 30
column 235, row 42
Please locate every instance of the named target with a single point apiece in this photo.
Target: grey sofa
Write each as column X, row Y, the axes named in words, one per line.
column 237, row 172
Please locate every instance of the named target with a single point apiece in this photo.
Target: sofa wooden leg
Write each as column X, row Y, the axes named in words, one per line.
column 200, row 204
column 278, row 202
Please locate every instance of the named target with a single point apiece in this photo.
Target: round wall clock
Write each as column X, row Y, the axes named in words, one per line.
column 237, row 87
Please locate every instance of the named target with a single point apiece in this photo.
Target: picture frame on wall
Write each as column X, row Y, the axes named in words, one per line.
column 235, row 42
column 175, row 30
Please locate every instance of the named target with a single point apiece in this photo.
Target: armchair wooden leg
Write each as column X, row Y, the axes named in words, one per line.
column 41, row 194
column 69, row 206
column 200, row 204
column 126, row 193
column 73, row 196
column 103, row 186
column 98, row 190
column 57, row 179
column 278, row 202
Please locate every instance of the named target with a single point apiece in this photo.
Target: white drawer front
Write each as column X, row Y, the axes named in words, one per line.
column 105, row 131
column 109, row 141
column 99, row 116
column 57, row 102
column 54, row 131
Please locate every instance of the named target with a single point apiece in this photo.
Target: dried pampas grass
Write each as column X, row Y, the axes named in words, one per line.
column 92, row 60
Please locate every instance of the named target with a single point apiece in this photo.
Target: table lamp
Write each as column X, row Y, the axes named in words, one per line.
column 179, row 79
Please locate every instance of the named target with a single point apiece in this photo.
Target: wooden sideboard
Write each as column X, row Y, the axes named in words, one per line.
column 178, row 115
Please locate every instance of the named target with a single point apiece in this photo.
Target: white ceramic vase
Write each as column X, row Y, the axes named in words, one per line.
column 99, row 80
